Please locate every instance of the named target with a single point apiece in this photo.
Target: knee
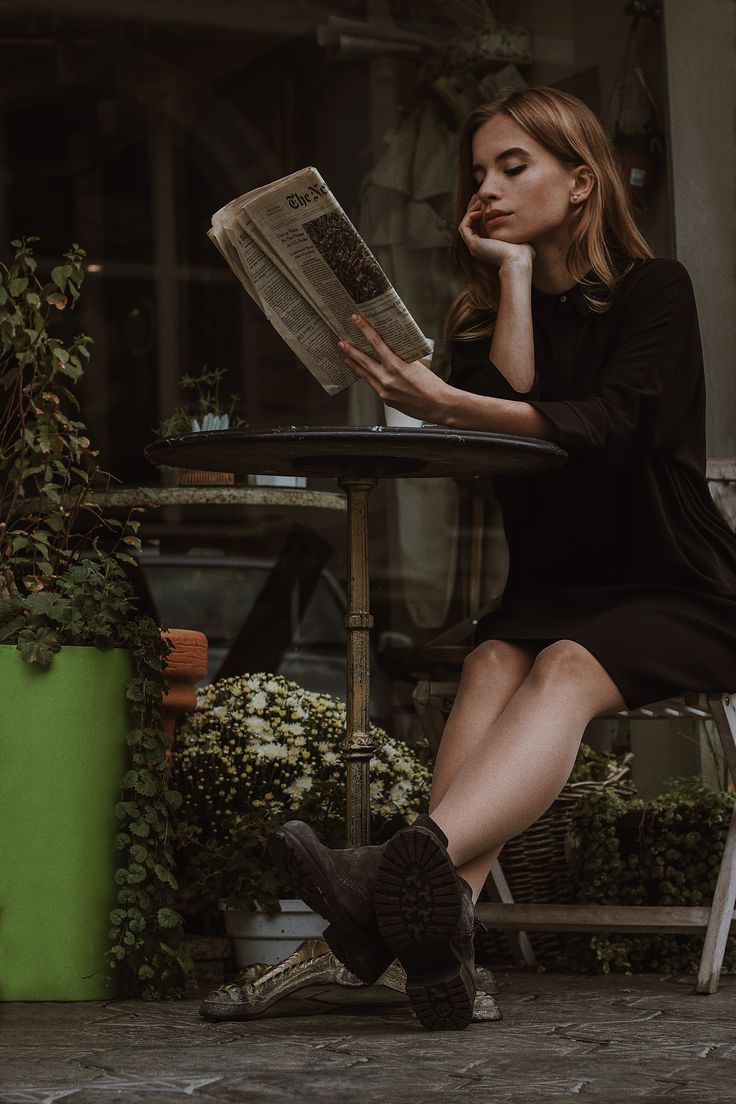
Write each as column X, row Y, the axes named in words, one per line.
column 491, row 659
column 565, row 661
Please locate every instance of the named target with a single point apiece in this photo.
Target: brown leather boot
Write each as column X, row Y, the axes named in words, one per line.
column 426, row 916
column 339, row 884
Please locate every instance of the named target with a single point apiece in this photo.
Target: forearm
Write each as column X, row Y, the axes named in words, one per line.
column 465, row 410
column 512, row 347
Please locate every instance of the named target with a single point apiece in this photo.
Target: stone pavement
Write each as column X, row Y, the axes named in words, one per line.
column 606, row 1038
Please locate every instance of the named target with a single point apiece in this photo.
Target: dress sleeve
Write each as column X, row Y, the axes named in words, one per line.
column 645, row 390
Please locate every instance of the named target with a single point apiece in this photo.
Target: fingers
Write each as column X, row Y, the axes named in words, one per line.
column 363, row 365
column 372, row 336
column 470, row 225
column 355, row 354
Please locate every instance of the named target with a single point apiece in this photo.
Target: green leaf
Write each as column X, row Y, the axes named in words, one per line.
column 145, row 784
column 38, row 645
column 10, row 628
column 127, row 809
column 136, row 873
column 173, row 798
column 18, row 285
column 167, row 918
column 164, row 875
column 60, row 275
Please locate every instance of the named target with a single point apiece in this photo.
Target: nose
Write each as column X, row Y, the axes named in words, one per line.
column 489, row 188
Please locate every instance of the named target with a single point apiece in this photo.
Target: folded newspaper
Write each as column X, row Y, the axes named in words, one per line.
column 302, row 261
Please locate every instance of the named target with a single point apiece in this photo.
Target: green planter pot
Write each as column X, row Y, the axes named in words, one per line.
column 62, row 756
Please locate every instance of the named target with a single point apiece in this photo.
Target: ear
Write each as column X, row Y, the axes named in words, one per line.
column 582, row 182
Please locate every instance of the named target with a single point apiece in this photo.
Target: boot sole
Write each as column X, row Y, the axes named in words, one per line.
column 418, row 906
column 364, row 954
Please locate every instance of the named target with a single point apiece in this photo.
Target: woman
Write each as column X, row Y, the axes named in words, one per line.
column 622, row 579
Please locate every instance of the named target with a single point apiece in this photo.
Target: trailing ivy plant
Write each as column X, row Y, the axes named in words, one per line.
column 63, row 581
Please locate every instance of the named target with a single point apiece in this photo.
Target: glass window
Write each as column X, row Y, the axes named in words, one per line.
column 126, row 130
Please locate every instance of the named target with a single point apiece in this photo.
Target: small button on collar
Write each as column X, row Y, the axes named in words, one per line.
column 563, row 298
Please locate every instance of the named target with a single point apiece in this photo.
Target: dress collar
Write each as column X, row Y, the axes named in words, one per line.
column 545, row 302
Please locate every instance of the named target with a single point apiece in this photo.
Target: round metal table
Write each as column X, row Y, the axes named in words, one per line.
column 358, row 458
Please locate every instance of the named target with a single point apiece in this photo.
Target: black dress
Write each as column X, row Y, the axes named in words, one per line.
column 623, row 550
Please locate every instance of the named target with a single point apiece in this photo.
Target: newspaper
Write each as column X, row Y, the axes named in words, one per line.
column 302, row 261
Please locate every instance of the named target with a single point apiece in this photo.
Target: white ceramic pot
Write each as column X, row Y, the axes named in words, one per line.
column 257, row 937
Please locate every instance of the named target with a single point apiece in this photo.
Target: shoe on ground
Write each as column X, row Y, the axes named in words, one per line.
column 426, row 917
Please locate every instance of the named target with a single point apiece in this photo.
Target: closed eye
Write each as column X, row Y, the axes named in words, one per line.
column 515, row 171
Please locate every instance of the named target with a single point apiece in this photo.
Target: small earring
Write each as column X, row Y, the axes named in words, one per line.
column 574, row 198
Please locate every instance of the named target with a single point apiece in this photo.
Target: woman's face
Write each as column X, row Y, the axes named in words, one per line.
column 525, row 190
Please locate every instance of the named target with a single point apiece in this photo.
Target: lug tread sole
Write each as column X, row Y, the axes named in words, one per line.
column 442, row 1005
column 418, row 903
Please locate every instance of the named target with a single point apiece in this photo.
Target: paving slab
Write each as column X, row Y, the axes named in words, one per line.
column 606, row 1038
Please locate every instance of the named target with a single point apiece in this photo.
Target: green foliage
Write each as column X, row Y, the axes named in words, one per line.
column 63, row 582
column 204, row 411
column 666, row 851
column 44, row 451
column 260, row 750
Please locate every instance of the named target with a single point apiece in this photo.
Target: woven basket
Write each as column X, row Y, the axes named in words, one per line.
column 536, row 867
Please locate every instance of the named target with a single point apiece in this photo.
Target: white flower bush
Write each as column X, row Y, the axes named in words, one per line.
column 259, row 750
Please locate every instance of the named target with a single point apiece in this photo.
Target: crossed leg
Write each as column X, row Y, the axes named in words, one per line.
column 510, row 744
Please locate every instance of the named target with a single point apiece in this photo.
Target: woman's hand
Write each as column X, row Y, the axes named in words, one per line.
column 498, row 253
column 412, row 388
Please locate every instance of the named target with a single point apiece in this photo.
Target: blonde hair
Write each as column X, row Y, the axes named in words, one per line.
column 601, row 229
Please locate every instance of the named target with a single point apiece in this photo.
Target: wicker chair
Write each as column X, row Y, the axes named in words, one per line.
column 433, row 700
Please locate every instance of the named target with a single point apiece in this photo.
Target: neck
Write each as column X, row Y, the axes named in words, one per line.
column 550, row 272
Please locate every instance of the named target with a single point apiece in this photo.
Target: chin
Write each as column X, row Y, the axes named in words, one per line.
column 506, row 234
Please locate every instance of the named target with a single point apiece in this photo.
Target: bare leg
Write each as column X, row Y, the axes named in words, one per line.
column 491, row 675
column 516, row 770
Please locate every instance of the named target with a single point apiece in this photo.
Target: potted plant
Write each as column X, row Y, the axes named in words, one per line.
column 259, row 750
column 203, row 413
column 664, row 851
column 86, row 867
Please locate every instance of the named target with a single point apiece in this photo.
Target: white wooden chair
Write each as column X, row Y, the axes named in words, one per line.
column 433, row 700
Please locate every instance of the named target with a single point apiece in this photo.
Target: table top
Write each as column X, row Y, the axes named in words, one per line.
column 349, row 451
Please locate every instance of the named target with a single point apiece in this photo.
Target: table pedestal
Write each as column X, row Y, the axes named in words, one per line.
column 313, row 963
column 358, row 746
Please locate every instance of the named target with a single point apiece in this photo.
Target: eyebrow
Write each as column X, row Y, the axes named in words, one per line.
column 506, row 153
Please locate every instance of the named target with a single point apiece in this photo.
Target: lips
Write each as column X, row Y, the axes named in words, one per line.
column 496, row 216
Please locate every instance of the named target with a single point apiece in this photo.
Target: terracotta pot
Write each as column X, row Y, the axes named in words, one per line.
column 194, row 477
column 185, row 665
